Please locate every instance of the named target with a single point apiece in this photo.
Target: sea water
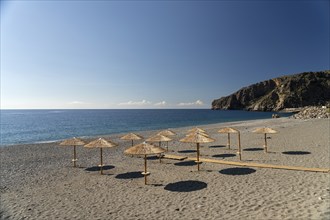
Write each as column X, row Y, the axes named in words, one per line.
column 32, row 126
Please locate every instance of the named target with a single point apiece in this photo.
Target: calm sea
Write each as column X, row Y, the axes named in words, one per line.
column 32, row 126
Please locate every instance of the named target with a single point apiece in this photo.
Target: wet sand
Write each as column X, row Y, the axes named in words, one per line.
column 39, row 182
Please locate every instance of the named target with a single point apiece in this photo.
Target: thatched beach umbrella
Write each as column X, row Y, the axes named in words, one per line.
column 131, row 136
column 233, row 130
column 201, row 133
column 160, row 139
column 167, row 133
column 144, row 149
column 265, row 131
column 228, row 131
column 197, row 138
column 196, row 129
column 101, row 143
column 73, row 142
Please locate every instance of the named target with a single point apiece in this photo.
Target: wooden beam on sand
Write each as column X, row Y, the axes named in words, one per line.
column 260, row 165
column 174, row 157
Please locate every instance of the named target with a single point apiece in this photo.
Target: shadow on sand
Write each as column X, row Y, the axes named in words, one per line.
column 296, row 152
column 187, row 151
column 186, row 163
column 186, row 186
column 254, row 149
column 224, row 155
column 107, row 167
column 129, row 175
column 237, row 171
column 153, row 157
column 217, row 146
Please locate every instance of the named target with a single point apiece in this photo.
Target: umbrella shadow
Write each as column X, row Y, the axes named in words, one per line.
column 224, row 155
column 185, row 186
column 96, row 168
column 156, row 184
column 129, row 175
column 153, row 158
column 237, row 171
column 253, row 149
column 217, row 146
column 187, row 151
column 186, row 163
column 296, row 152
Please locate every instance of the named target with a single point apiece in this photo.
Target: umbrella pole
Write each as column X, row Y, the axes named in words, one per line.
column 101, row 166
column 145, row 169
column 198, row 156
column 160, row 155
column 132, row 146
column 239, row 146
column 228, row 143
column 166, row 146
column 266, row 143
column 74, row 155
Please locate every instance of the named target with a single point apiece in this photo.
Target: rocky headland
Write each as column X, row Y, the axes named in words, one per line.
column 293, row 91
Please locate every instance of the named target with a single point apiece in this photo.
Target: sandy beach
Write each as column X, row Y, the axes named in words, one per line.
column 39, row 182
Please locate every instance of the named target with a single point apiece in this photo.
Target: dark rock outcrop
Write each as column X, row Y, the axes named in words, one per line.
column 294, row 91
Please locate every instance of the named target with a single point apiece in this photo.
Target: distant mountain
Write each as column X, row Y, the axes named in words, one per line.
column 294, row 91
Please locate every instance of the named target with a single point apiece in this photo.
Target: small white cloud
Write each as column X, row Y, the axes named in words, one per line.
column 197, row 103
column 78, row 103
column 138, row 103
column 162, row 103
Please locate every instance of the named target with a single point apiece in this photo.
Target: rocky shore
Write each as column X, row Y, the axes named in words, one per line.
column 312, row 112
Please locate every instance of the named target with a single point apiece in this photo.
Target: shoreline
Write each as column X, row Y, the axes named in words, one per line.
column 219, row 124
column 39, row 182
column 23, row 134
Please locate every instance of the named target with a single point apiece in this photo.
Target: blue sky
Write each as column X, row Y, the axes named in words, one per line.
column 153, row 54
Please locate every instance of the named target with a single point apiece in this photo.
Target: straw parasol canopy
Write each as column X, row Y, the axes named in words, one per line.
column 167, row 132
column 196, row 130
column 101, row 143
column 144, row 149
column 265, row 131
column 197, row 138
column 159, row 138
column 73, row 142
column 131, row 136
column 228, row 131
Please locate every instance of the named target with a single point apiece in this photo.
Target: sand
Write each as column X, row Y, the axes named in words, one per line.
column 39, row 182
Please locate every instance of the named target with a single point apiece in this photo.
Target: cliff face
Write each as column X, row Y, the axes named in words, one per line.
column 299, row 90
